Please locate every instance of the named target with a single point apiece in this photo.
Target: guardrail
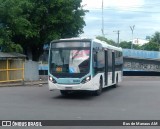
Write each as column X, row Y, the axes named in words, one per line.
column 141, row 54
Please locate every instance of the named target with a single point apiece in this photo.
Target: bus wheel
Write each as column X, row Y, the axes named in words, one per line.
column 64, row 92
column 115, row 85
column 99, row 91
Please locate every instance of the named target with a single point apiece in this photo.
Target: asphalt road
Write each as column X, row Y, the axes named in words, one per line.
column 136, row 98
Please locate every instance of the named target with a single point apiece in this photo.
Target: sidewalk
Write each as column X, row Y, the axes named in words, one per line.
column 43, row 80
column 26, row 83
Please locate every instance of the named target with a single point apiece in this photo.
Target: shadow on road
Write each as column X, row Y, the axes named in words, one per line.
column 84, row 95
column 81, row 95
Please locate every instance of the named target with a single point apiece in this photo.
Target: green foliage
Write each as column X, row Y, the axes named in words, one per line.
column 137, row 47
column 6, row 44
column 31, row 23
column 11, row 47
column 154, row 43
column 156, row 38
column 151, row 46
column 125, row 44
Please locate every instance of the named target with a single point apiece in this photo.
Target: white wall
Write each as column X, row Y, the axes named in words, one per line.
column 31, row 72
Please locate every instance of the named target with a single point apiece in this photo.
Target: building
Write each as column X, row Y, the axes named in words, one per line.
column 140, row 42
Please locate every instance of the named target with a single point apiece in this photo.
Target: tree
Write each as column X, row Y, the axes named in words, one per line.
column 155, row 40
column 156, row 37
column 6, row 44
column 151, row 46
column 35, row 22
column 125, row 44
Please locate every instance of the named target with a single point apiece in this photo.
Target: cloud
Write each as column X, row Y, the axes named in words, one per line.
column 126, row 4
column 117, row 4
column 120, row 15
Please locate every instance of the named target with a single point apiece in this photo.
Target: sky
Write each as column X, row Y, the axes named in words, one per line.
column 122, row 15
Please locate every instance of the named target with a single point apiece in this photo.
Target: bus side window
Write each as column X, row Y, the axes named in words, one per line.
column 94, row 62
column 98, row 61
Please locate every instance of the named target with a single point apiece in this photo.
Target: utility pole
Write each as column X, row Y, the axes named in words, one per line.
column 118, row 32
column 102, row 20
column 118, row 37
column 132, row 29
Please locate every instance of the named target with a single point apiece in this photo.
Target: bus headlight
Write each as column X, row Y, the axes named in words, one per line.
column 86, row 79
column 52, row 79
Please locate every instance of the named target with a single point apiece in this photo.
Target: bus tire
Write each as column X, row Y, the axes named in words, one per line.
column 99, row 91
column 115, row 85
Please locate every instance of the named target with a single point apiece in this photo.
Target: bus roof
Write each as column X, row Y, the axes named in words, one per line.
column 104, row 44
column 77, row 38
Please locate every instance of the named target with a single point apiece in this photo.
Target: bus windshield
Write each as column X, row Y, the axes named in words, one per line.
column 69, row 59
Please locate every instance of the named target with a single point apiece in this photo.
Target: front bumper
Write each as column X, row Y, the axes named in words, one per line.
column 86, row 86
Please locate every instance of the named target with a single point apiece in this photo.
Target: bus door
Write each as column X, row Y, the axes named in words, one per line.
column 106, row 67
column 113, row 66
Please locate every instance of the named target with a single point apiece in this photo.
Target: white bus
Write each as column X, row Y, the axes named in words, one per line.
column 80, row 64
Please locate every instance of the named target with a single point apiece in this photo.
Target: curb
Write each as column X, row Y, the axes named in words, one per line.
column 39, row 83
